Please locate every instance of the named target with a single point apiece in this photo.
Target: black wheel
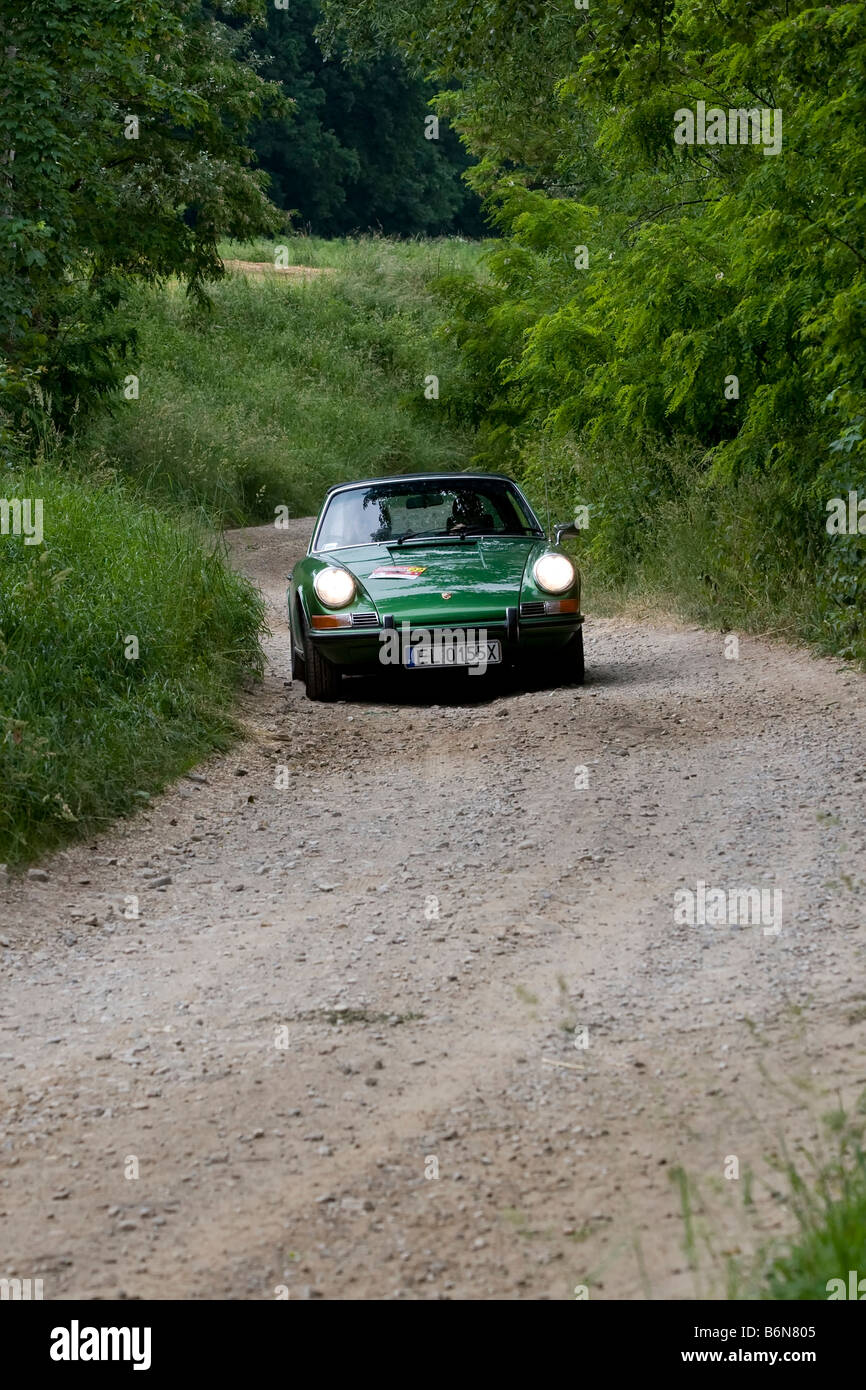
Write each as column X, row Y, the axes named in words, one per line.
column 321, row 677
column 574, row 656
column 570, row 663
column 297, row 663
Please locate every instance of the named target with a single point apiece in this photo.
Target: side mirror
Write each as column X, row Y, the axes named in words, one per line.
column 565, row 528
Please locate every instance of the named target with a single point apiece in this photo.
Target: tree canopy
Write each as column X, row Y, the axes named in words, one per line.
column 648, row 288
column 121, row 153
column 352, row 153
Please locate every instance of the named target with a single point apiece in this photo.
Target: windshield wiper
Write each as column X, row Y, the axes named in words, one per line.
column 473, row 531
column 413, row 536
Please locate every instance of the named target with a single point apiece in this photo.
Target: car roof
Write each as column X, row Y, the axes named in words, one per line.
column 421, row 477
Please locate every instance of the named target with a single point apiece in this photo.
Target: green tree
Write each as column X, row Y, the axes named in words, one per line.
column 351, row 154
column 121, row 154
column 719, row 306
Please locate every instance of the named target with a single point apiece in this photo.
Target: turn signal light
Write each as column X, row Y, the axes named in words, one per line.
column 320, row 620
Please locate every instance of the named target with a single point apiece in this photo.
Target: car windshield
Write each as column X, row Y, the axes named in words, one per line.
column 402, row 511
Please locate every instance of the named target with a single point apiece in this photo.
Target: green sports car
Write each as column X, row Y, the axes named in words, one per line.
column 429, row 571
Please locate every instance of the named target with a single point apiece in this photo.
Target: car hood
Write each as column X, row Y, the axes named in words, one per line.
column 482, row 577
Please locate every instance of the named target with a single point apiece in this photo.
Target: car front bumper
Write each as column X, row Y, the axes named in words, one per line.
column 372, row 648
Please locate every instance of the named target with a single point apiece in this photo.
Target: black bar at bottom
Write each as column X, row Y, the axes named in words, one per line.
column 167, row 1339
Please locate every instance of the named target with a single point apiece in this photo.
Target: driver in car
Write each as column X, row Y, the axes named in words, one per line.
column 468, row 513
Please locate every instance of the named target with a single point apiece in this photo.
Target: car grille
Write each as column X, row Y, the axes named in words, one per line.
column 365, row 620
column 533, row 609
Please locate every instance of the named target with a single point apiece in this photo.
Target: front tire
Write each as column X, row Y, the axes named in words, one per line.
column 575, row 669
column 321, row 678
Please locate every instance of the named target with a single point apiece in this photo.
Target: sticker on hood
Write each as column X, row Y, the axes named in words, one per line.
column 397, row 571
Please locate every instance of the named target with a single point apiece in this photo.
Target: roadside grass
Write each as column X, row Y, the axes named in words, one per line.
column 665, row 535
column 285, row 386
column 822, row 1194
column 88, row 733
column 829, row 1202
column 282, row 387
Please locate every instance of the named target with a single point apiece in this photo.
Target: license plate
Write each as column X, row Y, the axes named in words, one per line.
column 454, row 654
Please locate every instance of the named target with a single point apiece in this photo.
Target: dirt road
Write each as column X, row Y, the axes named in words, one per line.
column 392, row 937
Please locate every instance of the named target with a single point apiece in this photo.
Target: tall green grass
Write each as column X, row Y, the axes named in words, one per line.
column 748, row 553
column 276, row 391
column 829, row 1202
column 87, row 732
column 819, row 1191
column 284, row 387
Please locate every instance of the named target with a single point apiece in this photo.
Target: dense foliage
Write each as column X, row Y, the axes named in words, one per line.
column 121, row 160
column 703, row 263
column 352, row 154
column 121, row 155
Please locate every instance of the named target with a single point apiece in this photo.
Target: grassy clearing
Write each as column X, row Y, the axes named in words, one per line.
column 88, row 733
column 285, row 386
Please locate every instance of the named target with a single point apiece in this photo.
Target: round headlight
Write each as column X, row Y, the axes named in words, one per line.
column 553, row 573
column 334, row 587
